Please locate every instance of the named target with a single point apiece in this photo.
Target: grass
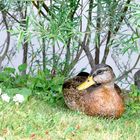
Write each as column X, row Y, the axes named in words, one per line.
column 36, row 120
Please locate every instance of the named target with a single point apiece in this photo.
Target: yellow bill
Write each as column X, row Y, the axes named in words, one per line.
column 89, row 82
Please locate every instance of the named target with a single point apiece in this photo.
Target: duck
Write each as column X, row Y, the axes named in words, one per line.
column 94, row 94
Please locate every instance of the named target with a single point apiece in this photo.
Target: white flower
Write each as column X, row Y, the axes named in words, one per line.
column 0, row 91
column 18, row 98
column 5, row 97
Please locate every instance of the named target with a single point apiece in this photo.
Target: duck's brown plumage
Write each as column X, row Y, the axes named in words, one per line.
column 100, row 99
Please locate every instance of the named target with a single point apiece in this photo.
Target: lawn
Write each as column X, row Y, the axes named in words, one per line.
column 38, row 120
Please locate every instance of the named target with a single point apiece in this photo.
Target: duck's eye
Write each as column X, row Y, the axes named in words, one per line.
column 99, row 72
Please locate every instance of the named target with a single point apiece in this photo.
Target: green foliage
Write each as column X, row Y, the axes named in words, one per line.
column 59, row 30
column 7, row 76
column 47, row 87
column 22, row 67
column 133, row 104
column 43, row 85
column 129, row 41
column 61, row 25
column 135, row 92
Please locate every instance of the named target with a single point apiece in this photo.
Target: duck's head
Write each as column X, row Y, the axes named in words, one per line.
column 101, row 74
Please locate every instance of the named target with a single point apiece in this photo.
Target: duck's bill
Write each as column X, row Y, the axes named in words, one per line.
column 89, row 82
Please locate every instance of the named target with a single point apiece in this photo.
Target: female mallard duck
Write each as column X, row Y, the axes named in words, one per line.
column 98, row 95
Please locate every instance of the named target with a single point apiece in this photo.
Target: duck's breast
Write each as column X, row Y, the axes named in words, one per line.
column 104, row 102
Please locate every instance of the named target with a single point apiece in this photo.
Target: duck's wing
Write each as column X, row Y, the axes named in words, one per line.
column 74, row 82
column 117, row 88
